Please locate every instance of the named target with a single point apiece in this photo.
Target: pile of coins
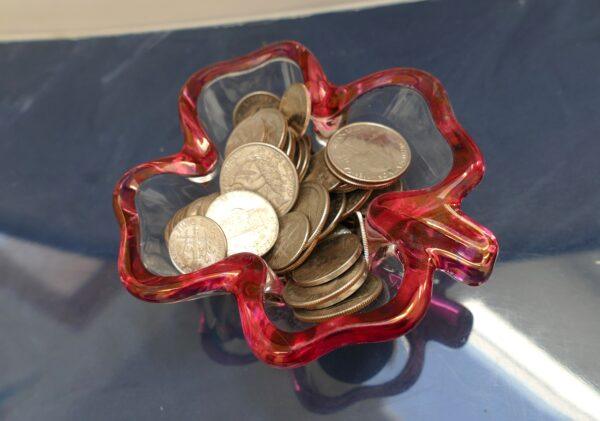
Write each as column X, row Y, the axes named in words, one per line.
column 281, row 201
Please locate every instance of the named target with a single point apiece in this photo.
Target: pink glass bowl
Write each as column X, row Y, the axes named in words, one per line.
column 410, row 234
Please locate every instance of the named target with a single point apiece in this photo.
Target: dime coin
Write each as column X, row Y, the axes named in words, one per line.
column 313, row 201
column 327, row 294
column 199, row 206
column 366, row 294
column 253, row 102
column 368, row 153
column 356, row 200
column 338, row 204
column 293, row 233
column 332, row 257
column 196, row 242
column 319, row 172
column 249, row 131
column 263, row 169
column 295, row 106
column 248, row 220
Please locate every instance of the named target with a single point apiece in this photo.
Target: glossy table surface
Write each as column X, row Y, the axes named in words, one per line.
column 74, row 115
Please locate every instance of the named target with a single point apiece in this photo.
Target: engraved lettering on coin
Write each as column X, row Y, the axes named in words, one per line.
column 196, row 242
column 263, row 169
column 250, row 130
column 296, row 107
column 252, row 103
column 369, row 153
column 332, row 257
column 313, row 201
column 329, row 293
column 293, row 233
column 366, row 294
column 319, row 172
column 248, row 220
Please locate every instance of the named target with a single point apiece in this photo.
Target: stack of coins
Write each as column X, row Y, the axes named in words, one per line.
column 281, row 201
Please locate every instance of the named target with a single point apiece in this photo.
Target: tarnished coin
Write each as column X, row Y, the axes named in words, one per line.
column 356, row 200
column 338, row 205
column 295, row 106
column 264, row 169
column 199, row 206
column 332, row 257
column 327, row 294
column 196, row 242
column 250, row 130
column 248, row 220
column 366, row 294
column 313, row 201
column 293, row 233
column 319, row 172
column 368, row 153
column 253, row 102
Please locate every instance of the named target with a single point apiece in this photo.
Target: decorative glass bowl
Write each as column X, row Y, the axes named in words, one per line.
column 410, row 233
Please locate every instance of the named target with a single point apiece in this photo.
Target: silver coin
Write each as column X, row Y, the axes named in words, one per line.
column 263, row 169
column 196, row 242
column 248, row 220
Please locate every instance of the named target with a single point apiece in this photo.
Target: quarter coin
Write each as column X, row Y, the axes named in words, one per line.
column 295, row 106
column 293, row 234
column 248, row 220
column 196, row 242
column 366, row 294
column 264, row 169
column 253, row 102
column 368, row 153
column 327, row 294
column 313, row 201
column 332, row 257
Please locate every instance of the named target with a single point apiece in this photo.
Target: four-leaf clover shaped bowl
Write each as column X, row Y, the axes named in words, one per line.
column 411, row 233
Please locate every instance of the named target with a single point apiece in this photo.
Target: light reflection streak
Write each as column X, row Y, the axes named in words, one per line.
column 530, row 365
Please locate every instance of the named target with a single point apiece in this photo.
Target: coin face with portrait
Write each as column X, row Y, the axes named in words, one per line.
column 263, row 169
